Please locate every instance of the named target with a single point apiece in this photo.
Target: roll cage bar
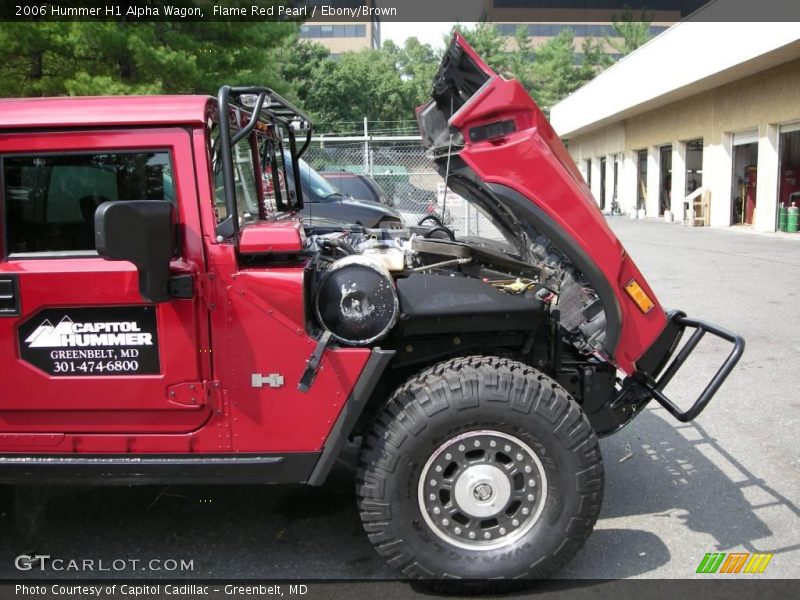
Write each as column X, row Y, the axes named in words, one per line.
column 261, row 103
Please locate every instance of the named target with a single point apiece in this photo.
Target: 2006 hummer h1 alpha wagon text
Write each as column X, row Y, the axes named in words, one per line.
column 165, row 316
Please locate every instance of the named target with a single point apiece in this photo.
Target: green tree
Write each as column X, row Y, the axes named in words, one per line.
column 486, row 40
column 417, row 64
column 558, row 70
column 554, row 71
column 35, row 58
column 357, row 84
column 523, row 58
column 629, row 32
column 298, row 61
column 81, row 58
column 549, row 72
column 383, row 85
column 594, row 59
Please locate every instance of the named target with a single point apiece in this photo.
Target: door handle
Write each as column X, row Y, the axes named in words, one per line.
column 9, row 295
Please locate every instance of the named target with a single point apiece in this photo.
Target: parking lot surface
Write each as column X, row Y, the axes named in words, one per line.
column 726, row 483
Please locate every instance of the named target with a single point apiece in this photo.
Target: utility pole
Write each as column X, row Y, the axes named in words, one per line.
column 366, row 146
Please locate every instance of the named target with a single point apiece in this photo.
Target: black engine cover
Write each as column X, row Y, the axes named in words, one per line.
column 432, row 303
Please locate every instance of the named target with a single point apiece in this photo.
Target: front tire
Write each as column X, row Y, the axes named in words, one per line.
column 478, row 468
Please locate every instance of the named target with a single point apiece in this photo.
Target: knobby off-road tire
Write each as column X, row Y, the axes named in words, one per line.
column 477, row 468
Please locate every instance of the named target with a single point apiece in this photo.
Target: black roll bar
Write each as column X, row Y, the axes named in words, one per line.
column 276, row 110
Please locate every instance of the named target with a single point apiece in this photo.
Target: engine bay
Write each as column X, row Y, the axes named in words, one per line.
column 365, row 284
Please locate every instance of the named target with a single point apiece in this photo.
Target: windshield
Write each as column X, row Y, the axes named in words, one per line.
column 313, row 183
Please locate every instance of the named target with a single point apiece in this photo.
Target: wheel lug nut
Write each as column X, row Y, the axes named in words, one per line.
column 519, row 456
column 530, row 497
column 445, row 522
column 432, row 497
column 531, row 482
column 515, row 523
column 457, row 530
column 436, row 510
column 448, row 456
column 526, row 510
column 433, row 482
column 527, row 468
column 487, row 535
column 472, row 535
column 492, row 443
column 477, row 443
column 502, row 531
column 507, row 448
column 438, row 468
column 461, row 447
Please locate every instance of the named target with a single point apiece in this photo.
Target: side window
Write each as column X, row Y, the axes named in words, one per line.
column 50, row 200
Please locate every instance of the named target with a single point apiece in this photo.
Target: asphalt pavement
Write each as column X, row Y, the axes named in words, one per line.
column 726, row 483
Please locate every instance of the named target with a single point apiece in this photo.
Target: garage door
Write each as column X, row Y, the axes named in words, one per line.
column 790, row 127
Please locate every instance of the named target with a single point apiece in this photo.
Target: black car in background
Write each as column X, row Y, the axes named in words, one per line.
column 414, row 205
column 324, row 202
column 358, row 186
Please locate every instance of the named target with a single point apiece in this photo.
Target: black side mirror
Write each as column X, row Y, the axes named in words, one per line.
column 142, row 232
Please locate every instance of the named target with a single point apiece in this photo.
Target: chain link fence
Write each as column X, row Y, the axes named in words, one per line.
column 404, row 172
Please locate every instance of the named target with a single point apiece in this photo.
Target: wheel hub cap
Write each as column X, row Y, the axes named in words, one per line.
column 482, row 490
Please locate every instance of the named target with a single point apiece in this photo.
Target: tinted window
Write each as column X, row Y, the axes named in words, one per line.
column 352, row 186
column 315, row 187
column 51, row 200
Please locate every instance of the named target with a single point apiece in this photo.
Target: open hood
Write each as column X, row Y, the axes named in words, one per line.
column 497, row 148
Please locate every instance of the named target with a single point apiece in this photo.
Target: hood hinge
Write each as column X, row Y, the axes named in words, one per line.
column 205, row 289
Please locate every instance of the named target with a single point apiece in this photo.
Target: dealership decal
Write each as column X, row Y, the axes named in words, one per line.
column 119, row 340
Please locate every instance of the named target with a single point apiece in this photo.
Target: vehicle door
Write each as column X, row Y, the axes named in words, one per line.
column 80, row 350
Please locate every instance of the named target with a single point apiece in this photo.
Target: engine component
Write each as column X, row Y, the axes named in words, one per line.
column 429, row 246
column 393, row 259
column 444, row 263
column 356, row 301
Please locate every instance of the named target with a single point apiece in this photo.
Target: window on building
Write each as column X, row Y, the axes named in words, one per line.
column 332, row 31
column 684, row 6
column 50, row 200
column 579, row 29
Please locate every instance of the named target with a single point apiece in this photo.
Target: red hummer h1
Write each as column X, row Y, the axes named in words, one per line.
column 165, row 316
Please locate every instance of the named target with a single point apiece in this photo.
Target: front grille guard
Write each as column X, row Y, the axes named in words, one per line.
column 655, row 386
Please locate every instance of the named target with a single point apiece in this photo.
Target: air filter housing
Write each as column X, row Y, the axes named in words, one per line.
column 357, row 301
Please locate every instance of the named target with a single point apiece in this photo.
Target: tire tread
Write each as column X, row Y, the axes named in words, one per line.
column 450, row 385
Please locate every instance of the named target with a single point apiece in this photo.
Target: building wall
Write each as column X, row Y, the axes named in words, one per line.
column 761, row 101
column 597, row 32
column 341, row 37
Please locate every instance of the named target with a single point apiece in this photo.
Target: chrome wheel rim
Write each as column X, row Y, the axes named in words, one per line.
column 482, row 490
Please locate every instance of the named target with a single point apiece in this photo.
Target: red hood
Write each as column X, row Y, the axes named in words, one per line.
column 497, row 130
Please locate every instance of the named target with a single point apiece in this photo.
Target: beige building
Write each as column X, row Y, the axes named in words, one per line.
column 343, row 37
column 586, row 18
column 540, row 33
column 701, row 124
